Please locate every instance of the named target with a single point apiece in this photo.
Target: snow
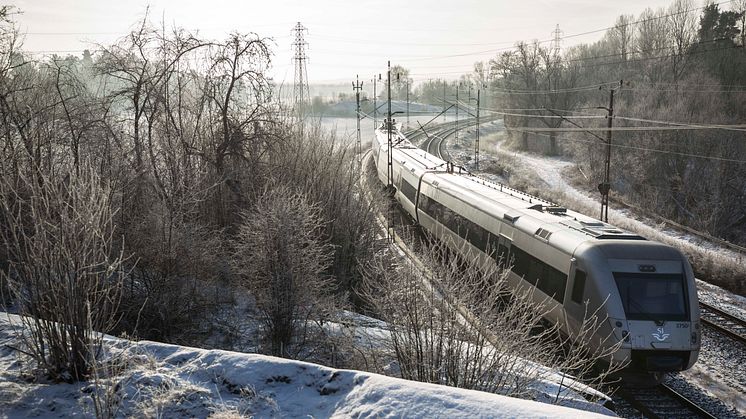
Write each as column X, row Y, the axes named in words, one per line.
column 175, row 381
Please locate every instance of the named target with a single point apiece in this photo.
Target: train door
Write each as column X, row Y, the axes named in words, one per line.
column 502, row 256
column 575, row 295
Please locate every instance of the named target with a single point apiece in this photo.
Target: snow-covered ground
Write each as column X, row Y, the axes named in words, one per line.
column 161, row 380
column 719, row 372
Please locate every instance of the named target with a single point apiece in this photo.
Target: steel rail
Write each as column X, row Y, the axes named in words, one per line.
column 723, row 322
column 662, row 401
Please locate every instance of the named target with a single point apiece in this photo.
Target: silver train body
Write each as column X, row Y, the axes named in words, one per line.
column 642, row 290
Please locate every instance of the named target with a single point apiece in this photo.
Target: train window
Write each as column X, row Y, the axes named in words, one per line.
column 535, row 271
column 521, row 261
column 408, row 190
column 465, row 228
column 648, row 296
column 578, row 287
column 502, row 257
column 424, row 203
column 549, row 280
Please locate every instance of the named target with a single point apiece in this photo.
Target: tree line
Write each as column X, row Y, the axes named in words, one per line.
column 676, row 72
column 142, row 185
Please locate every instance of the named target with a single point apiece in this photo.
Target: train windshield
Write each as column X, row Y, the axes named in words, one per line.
column 652, row 296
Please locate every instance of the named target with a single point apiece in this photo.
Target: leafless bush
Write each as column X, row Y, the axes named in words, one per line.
column 176, row 285
column 326, row 169
column 281, row 258
column 64, row 275
column 457, row 322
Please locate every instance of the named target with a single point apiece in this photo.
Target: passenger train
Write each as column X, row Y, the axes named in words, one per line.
column 642, row 290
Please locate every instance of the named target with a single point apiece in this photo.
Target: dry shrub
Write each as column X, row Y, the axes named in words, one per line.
column 63, row 271
column 327, row 170
column 281, row 259
column 174, row 289
column 456, row 321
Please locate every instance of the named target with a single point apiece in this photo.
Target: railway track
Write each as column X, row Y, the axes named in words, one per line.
column 661, row 402
column 725, row 323
column 399, row 231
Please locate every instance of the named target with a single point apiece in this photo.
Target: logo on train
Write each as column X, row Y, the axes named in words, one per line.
column 661, row 335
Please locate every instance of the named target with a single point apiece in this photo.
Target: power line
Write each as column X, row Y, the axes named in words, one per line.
column 630, row 60
column 633, row 60
column 546, row 116
column 739, row 127
column 367, row 41
column 684, row 124
column 684, row 90
column 650, row 19
column 654, row 150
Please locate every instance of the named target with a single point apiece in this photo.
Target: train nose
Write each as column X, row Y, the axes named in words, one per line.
column 660, row 360
column 661, row 346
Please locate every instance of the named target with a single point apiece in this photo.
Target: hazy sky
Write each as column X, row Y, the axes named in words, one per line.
column 432, row 38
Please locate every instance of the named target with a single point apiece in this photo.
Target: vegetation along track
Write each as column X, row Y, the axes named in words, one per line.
column 725, row 323
column 705, row 236
column 661, row 402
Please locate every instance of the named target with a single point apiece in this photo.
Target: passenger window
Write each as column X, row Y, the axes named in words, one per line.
column 578, row 286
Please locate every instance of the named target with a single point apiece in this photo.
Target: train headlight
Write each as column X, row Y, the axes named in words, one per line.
column 625, row 336
column 694, row 338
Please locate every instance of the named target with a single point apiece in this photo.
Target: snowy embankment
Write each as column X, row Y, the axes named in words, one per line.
column 155, row 379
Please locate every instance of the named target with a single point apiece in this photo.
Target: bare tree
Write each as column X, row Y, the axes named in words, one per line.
column 682, row 24
column 739, row 6
column 542, row 80
column 652, row 41
column 622, row 36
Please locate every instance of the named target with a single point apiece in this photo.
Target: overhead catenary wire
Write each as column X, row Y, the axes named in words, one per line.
column 739, row 127
column 685, row 124
column 631, row 147
column 607, row 63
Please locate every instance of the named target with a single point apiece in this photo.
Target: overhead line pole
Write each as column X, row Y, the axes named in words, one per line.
column 444, row 100
column 407, row 84
column 455, row 123
column 388, row 126
column 375, row 99
column 605, row 187
column 476, row 145
column 357, row 86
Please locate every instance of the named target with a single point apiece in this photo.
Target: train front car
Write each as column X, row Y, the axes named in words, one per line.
column 647, row 290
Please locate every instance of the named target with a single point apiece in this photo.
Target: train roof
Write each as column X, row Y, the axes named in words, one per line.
column 560, row 226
